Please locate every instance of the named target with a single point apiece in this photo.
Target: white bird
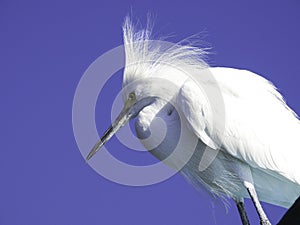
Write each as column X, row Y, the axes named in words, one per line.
column 252, row 137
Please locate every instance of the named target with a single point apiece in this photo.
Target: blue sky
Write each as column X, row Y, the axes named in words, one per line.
column 45, row 48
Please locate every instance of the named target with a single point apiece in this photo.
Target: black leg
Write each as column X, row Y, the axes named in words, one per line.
column 241, row 207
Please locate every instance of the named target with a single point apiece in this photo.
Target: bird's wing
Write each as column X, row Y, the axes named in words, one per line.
column 255, row 125
column 194, row 104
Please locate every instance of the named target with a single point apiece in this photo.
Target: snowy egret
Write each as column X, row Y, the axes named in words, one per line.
column 254, row 145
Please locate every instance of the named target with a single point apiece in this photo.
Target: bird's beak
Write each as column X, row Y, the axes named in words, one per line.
column 126, row 114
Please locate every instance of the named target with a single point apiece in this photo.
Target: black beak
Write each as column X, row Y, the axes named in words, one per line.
column 125, row 115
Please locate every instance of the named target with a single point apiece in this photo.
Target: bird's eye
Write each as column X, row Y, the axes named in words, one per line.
column 131, row 96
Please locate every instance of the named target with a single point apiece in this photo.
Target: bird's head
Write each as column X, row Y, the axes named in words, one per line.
column 153, row 69
column 131, row 109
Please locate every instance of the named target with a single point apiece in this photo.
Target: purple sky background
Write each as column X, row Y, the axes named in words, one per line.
column 45, row 47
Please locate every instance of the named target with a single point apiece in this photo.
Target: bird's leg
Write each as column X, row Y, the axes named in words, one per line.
column 262, row 216
column 241, row 207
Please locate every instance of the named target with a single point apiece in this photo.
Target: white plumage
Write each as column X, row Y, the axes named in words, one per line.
column 255, row 135
column 260, row 132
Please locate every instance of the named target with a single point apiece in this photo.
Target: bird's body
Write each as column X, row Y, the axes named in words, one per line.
column 240, row 138
column 271, row 152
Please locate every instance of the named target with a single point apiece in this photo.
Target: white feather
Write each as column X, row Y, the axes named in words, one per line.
column 261, row 132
